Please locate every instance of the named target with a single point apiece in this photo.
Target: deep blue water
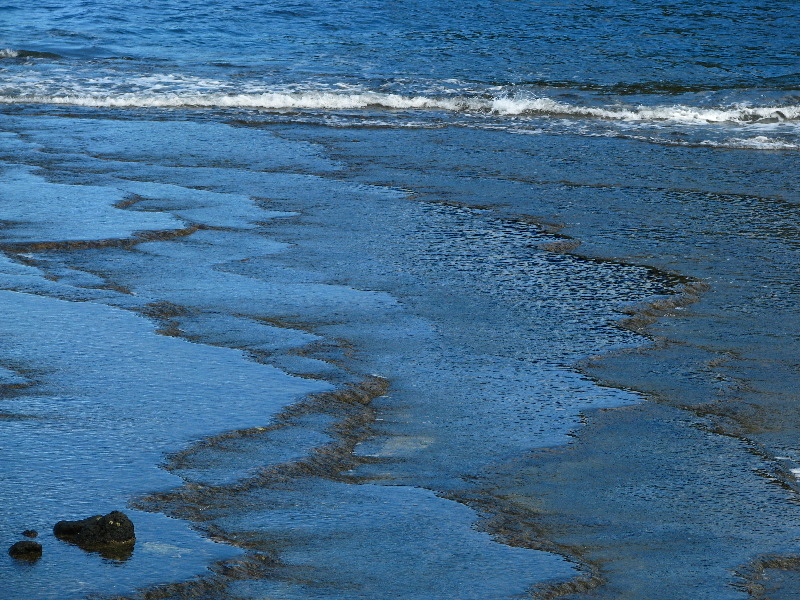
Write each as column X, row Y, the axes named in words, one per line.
column 216, row 216
column 722, row 73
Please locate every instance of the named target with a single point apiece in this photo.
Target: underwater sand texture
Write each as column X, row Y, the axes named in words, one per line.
column 329, row 363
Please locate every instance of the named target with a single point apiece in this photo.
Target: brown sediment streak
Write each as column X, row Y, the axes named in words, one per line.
column 643, row 315
column 514, row 526
column 10, row 390
column 16, row 417
column 545, row 225
column 323, row 350
column 359, row 395
column 733, row 419
column 165, row 313
column 564, row 244
column 139, row 237
column 128, row 202
column 349, row 405
column 561, row 246
column 213, row 586
column 755, row 578
column 579, row 585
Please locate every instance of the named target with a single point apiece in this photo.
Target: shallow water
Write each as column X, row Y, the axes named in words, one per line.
column 348, row 304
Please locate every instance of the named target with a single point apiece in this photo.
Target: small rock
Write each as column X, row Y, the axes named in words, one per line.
column 31, row 533
column 26, row 550
column 98, row 533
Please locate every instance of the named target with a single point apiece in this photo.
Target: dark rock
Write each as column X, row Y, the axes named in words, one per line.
column 26, row 550
column 31, row 533
column 66, row 530
column 99, row 532
column 111, row 529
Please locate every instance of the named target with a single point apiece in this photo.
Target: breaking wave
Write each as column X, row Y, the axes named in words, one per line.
column 503, row 106
column 9, row 53
column 759, row 142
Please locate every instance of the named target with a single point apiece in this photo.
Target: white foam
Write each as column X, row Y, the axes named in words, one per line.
column 759, row 142
column 269, row 100
column 8, row 53
column 154, row 95
column 674, row 113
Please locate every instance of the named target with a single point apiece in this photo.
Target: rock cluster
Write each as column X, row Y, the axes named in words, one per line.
column 111, row 535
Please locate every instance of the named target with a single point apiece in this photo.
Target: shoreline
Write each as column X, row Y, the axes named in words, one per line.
column 389, row 325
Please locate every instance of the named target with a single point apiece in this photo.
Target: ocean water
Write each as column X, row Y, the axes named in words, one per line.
column 412, row 300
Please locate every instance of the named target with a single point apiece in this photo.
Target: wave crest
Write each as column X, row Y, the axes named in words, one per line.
column 502, row 106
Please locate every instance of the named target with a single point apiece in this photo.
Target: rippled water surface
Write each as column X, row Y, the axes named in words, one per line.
column 456, row 301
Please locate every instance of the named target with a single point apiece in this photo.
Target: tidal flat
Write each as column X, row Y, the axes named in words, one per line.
column 291, row 392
